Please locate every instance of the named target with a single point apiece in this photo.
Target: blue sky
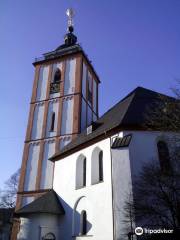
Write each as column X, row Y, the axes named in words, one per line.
column 130, row 42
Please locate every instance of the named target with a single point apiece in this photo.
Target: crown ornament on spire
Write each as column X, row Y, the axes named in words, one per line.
column 70, row 38
column 70, row 14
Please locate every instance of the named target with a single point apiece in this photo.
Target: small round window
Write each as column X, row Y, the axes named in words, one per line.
column 49, row 236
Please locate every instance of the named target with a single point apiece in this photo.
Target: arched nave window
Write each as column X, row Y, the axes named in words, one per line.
column 82, row 220
column 83, row 223
column 57, row 76
column 81, row 171
column 164, row 158
column 97, row 166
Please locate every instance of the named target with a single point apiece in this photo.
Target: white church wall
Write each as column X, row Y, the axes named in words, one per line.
column 67, row 115
column 36, row 226
column 42, row 83
column 32, row 166
column 126, row 164
column 69, row 85
column 144, row 148
column 121, row 174
column 52, row 108
column 38, row 121
column 55, row 66
column 47, row 166
column 98, row 196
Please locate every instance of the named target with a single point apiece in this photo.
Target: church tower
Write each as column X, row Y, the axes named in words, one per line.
column 64, row 102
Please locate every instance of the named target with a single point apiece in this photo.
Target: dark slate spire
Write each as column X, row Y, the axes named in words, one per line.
column 70, row 38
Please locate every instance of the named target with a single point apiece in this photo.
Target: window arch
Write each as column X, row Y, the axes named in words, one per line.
column 164, row 158
column 81, row 171
column 83, row 223
column 57, row 76
column 97, row 166
column 49, row 236
column 52, row 122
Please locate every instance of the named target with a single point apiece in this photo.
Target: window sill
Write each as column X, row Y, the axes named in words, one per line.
column 97, row 182
column 79, row 236
column 80, row 188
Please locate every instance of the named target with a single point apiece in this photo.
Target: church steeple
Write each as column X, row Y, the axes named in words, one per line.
column 64, row 102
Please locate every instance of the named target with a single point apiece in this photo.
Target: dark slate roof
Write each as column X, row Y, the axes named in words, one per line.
column 47, row 203
column 129, row 113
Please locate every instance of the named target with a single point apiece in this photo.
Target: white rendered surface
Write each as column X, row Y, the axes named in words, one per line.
column 47, row 166
column 38, row 121
column 37, row 225
column 69, row 85
column 42, row 83
column 67, row 116
column 97, row 198
column 31, row 168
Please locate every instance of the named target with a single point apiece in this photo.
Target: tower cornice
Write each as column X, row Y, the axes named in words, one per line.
column 63, row 54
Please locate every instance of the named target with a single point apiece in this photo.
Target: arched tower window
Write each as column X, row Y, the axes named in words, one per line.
column 97, row 166
column 83, row 223
column 57, row 76
column 81, row 172
column 164, row 158
column 52, row 121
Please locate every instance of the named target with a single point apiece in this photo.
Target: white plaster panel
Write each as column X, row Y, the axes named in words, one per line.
column 99, row 196
column 32, row 166
column 69, row 85
column 94, row 96
column 64, row 141
column 55, row 66
column 37, row 225
column 42, row 83
column 127, row 163
column 26, row 200
column 122, row 189
column 47, row 166
column 53, row 107
column 67, row 116
column 89, row 116
column 38, row 121
column 83, row 115
column 84, row 80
